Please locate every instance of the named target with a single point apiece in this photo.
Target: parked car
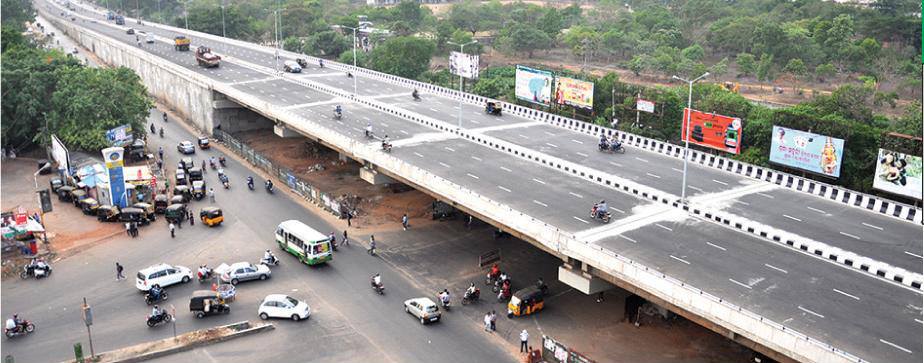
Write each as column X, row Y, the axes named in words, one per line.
column 244, row 271
column 423, row 309
column 163, row 275
column 292, row 67
column 282, row 306
column 186, row 147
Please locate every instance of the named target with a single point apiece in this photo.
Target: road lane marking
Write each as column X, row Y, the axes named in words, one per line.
column 505, row 169
column 628, row 239
column 552, row 145
column 549, row 133
column 582, row 154
column 720, row 182
column 579, row 142
column 538, row 181
column 616, row 164
column 696, row 188
column 640, row 159
column 849, row 235
column 895, row 346
column 776, row 268
column 677, row 170
column 576, row 195
column 404, row 132
column 449, row 148
column 913, row 254
column 472, row 175
column 871, row 226
column 523, row 136
column 765, row 195
column 667, row 228
column 793, row 218
column 505, row 189
column 740, row 284
column 816, row 210
column 618, row 210
column 680, row 259
column 740, row 202
column 474, row 122
column 418, row 155
column 585, row 222
column 433, row 109
column 476, row 158
column 811, row 312
column 653, row 175
column 540, row 203
column 919, row 321
column 716, row 246
column 444, row 164
column 846, row 294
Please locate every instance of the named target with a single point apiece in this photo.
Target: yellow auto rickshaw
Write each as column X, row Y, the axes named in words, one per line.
column 160, row 203
column 108, row 213
column 524, row 302
column 148, row 210
column 211, row 216
column 89, row 206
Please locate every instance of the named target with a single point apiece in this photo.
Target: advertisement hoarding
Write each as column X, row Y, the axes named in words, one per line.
column 60, row 154
column 574, row 92
column 807, row 151
column 711, row 130
column 533, row 85
column 465, row 65
column 113, row 157
column 899, row 173
column 120, row 136
column 644, row 105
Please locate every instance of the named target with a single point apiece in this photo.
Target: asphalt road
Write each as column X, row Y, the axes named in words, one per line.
column 563, row 201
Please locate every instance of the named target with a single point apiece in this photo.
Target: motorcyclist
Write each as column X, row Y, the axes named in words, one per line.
column 156, row 312
column 470, row 291
column 386, row 143
column 444, row 297
column 600, row 209
column 269, row 184
column 212, row 162
column 161, row 132
column 377, row 280
column 615, row 144
column 349, row 75
column 268, row 257
column 165, row 117
column 204, row 272
column 368, row 129
column 160, row 151
column 338, row 111
column 41, row 265
column 153, row 129
column 604, row 142
column 17, row 323
column 156, row 291
column 221, row 160
column 415, row 94
column 495, row 272
column 321, row 63
column 250, row 182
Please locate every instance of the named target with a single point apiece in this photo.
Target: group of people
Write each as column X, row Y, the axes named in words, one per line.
column 132, row 229
column 610, row 143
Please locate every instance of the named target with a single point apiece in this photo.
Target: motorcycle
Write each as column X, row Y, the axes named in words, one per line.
column 490, row 278
column 34, row 271
column 594, row 215
column 161, row 132
column 221, row 160
column 469, row 298
column 378, row 288
column 150, row 299
column 271, row 261
column 616, row 148
column 504, row 295
column 157, row 319
column 386, row 147
column 269, row 187
column 499, row 284
column 153, row 129
column 226, row 184
column 416, row 96
column 250, row 184
column 24, row 327
column 212, row 165
column 338, row 115
column 543, row 288
column 444, row 303
column 203, row 277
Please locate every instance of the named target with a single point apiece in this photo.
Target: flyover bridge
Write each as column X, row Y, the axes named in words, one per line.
column 791, row 267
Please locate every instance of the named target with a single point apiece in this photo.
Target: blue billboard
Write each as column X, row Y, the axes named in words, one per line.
column 807, row 151
column 113, row 157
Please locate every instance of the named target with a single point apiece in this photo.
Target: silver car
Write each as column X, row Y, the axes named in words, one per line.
column 186, row 147
column 244, row 271
column 423, row 309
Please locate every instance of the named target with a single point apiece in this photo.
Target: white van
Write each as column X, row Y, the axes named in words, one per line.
column 292, row 67
column 163, row 275
column 149, row 38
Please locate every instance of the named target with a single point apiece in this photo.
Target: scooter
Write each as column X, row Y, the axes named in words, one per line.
column 444, row 303
column 33, row 271
column 469, row 298
column 386, row 147
column 203, row 277
column 605, row 218
column 338, row 115
column 379, row 289
column 157, row 319
column 271, row 261
column 150, row 300
column 250, row 184
column 269, row 187
column 24, row 327
column 611, row 147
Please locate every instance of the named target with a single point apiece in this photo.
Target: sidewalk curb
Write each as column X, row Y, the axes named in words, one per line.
column 167, row 351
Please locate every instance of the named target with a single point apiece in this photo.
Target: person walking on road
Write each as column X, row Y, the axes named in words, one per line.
column 172, row 230
column 404, row 221
column 128, row 229
column 493, row 320
column 372, row 245
column 119, row 269
column 349, row 216
column 211, row 195
column 192, row 221
column 524, row 337
column 346, row 241
column 487, row 322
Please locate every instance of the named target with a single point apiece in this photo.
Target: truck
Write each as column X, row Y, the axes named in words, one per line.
column 206, row 58
column 181, row 43
column 120, row 20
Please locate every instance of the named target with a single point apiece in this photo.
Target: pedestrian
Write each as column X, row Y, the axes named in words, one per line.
column 493, row 320
column 349, row 216
column 172, row 230
column 128, row 229
column 487, row 321
column 203, row 166
column 346, row 241
column 192, row 221
column 468, row 222
column 160, row 164
column 211, row 195
column 524, row 336
column 333, row 240
column 404, row 221
column 372, row 245
column 534, row 356
column 134, row 229
column 600, row 297
column 119, row 269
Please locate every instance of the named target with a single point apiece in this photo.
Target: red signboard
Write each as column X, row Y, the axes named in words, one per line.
column 711, row 130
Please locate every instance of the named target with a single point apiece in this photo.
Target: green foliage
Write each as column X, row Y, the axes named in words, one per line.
column 16, row 13
column 796, row 68
column 719, row 69
column 522, row 38
column 403, row 56
column 747, row 64
column 362, row 58
column 765, row 69
column 825, row 71
column 207, row 18
column 582, row 40
column 694, row 53
column 464, row 37
column 11, row 37
column 328, row 43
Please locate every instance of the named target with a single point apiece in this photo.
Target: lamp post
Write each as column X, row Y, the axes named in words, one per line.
column 686, row 138
column 461, row 50
column 276, row 32
column 354, row 53
column 186, row 16
column 223, row 35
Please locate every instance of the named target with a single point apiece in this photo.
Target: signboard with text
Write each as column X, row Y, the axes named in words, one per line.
column 807, row 151
column 113, row 157
column 711, row 130
column 899, row 173
column 533, row 85
column 574, row 92
column 644, row 105
column 462, row 64
column 120, row 136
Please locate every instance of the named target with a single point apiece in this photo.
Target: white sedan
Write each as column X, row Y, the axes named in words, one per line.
column 283, row 306
column 423, row 309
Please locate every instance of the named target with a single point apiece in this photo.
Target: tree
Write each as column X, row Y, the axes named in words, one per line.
column 207, row 19
column 16, row 13
column 328, row 43
column 824, row 72
column 551, row 22
column 694, row 53
column 582, row 40
column 362, row 58
column 408, row 12
column 465, row 15
column 765, row 70
column 747, row 65
column 719, row 69
column 301, row 19
column 11, row 37
column 403, row 56
column 464, row 37
column 523, row 38
column 638, row 64
column 796, row 68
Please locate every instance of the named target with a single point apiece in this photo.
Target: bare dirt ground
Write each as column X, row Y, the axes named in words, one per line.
column 69, row 230
column 376, row 205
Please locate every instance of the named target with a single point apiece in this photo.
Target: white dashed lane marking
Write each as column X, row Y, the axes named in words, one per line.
column 582, row 220
column 540, row 203
column 846, row 294
column 716, row 246
column 740, row 284
column 538, row 181
column 444, row 164
column 849, row 235
column 914, row 254
column 680, row 259
column 886, row 342
column 816, row 210
column 811, row 312
column 504, row 189
column 776, row 268
column 872, row 226
column 505, row 169
column 628, row 239
column 472, row 175
column 793, row 218
column 576, row 195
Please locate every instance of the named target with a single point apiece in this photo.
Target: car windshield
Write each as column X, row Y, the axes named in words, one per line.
column 432, row 309
column 292, row 301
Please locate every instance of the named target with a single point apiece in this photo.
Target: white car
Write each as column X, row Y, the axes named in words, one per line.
column 283, row 306
column 423, row 309
column 243, row 271
column 163, row 275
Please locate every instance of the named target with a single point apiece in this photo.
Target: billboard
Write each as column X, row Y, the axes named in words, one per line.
column 533, row 85
column 120, row 136
column 60, row 155
column 711, row 130
column 465, row 65
column 113, row 157
column 898, row 173
column 644, row 105
column 574, row 92
column 807, row 151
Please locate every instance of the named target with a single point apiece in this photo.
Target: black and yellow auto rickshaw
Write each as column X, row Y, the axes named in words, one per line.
column 211, row 216
column 160, row 203
column 175, row 213
column 182, row 191
column 178, row 199
column 55, row 183
column 524, row 302
column 89, row 206
column 492, row 108
column 194, row 174
column 181, row 177
column 198, row 189
column 132, row 214
column 108, row 213
column 65, row 193
column 77, row 195
column 204, row 143
column 207, row 302
column 148, row 209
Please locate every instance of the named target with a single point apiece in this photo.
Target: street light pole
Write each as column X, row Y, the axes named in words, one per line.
column 354, row 53
column 686, row 133
column 223, row 34
column 186, row 16
column 276, row 25
column 461, row 50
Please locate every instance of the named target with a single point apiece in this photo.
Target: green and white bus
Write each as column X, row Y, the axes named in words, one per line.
column 310, row 246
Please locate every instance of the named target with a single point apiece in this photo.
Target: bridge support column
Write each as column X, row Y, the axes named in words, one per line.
column 374, row 177
column 581, row 280
column 284, row 132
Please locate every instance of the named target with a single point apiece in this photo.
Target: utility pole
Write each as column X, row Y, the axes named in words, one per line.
column 354, row 53
column 461, row 50
column 686, row 133
column 638, row 113
column 186, row 16
column 223, row 35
